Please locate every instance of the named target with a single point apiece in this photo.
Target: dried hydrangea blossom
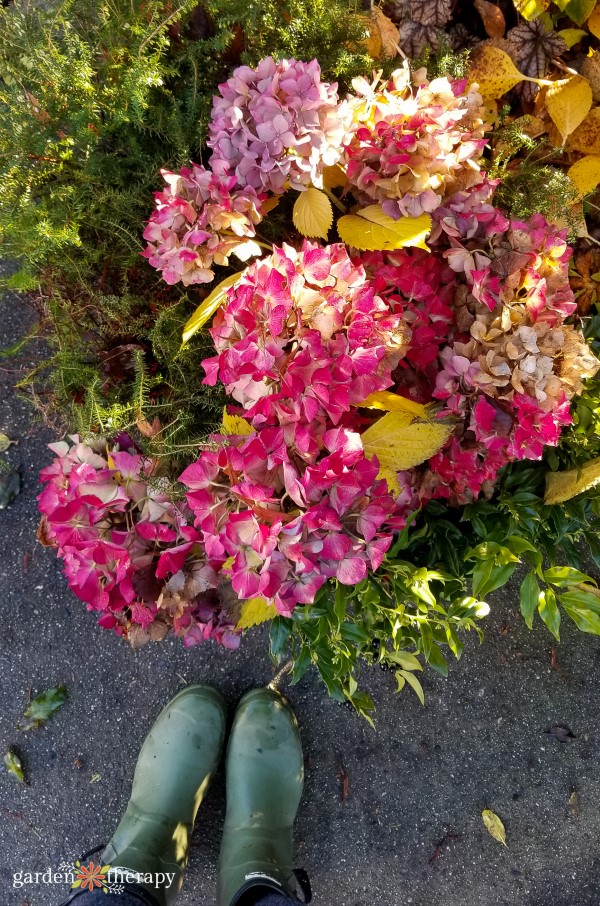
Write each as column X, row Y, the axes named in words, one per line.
column 200, row 220
column 413, row 144
column 276, row 126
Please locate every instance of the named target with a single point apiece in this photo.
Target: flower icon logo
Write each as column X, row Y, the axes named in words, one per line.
column 91, row 876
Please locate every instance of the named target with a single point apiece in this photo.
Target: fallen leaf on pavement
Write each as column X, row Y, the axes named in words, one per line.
column 14, row 766
column 494, row 826
column 42, row 708
column 574, row 804
column 561, row 733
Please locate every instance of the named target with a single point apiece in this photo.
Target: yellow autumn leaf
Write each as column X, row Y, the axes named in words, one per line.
column 393, row 402
column 562, row 486
column 586, row 138
column 531, row 9
column 255, row 611
column 494, row 826
column 313, row 214
column 207, row 309
column 585, row 174
column 593, row 23
column 383, row 38
column 370, row 229
column 568, row 102
column 235, row 424
column 494, row 72
column 571, row 36
column 400, row 443
column 334, row 177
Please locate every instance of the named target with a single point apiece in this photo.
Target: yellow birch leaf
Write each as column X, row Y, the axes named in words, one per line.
column 494, row 826
column 568, row 102
column 383, row 36
column 494, row 72
column 399, row 443
column 255, row 611
column 585, row 174
column 571, row 36
column 207, row 309
column 593, row 23
column 531, row 9
column 561, row 486
column 393, row 402
column 235, row 424
column 586, row 138
column 370, row 229
column 313, row 214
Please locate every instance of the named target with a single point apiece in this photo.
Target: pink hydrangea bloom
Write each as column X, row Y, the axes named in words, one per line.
column 290, row 526
column 130, row 552
column 276, row 125
column 303, row 337
column 200, row 220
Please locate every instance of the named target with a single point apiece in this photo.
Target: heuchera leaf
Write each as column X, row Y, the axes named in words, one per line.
column 561, row 486
column 313, row 214
column 43, row 707
column 235, row 424
column 399, row 443
column 394, row 402
column 494, row 826
column 255, row 611
column 370, row 229
column 207, row 309
column 568, row 102
column 531, row 9
column 14, row 767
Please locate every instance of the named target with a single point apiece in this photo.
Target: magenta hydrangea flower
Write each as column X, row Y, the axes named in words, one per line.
column 200, row 220
column 288, row 526
column 413, row 144
column 130, row 552
column 277, row 125
column 303, row 337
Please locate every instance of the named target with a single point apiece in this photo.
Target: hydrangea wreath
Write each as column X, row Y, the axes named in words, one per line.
column 408, row 362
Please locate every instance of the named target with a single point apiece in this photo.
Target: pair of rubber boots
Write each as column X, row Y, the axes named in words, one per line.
column 264, row 777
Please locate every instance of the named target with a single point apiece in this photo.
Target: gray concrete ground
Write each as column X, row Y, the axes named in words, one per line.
column 410, row 830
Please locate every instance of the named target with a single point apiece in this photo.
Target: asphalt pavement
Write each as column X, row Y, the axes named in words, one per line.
column 389, row 816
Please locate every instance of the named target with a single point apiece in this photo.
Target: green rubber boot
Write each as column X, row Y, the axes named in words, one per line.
column 265, row 771
column 175, row 765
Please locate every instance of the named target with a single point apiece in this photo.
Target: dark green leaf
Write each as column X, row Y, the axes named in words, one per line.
column 579, row 597
column 563, row 576
column 549, row 612
column 352, row 632
column 279, row 634
column 585, row 620
column 437, row 660
column 529, row 598
column 43, row 707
